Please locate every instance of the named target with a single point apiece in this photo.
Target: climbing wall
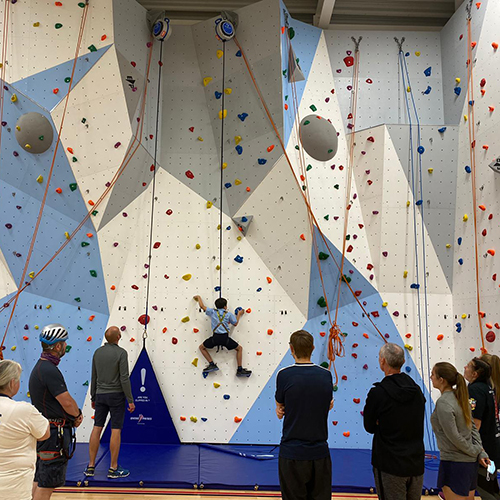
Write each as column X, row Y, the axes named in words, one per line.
column 409, row 278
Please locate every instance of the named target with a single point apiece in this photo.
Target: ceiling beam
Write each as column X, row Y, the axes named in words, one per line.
column 324, row 13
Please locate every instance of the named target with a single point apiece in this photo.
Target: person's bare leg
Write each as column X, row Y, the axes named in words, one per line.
column 43, row 493
column 239, row 355
column 94, row 441
column 206, row 354
column 35, row 486
column 449, row 495
column 114, row 446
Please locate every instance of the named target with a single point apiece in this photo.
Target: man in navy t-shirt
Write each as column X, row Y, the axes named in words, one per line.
column 304, row 396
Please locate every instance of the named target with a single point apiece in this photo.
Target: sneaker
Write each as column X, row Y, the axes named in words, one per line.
column 89, row 471
column 441, row 495
column 118, row 472
column 243, row 372
column 211, row 367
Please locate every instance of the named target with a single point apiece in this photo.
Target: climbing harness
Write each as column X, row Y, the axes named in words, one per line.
column 221, row 323
column 60, row 424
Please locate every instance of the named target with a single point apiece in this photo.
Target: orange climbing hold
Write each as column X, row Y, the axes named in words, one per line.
column 259, row 353
column 248, row 311
column 103, row 37
column 269, row 280
column 494, row 45
column 70, row 150
column 366, row 336
column 485, row 146
column 90, row 235
column 91, row 203
column 482, row 207
column 113, row 287
column 89, row 339
column 440, row 336
column 164, row 330
column 58, row 190
column 346, row 434
column 489, row 326
column 491, row 251
column 183, row 419
column 270, row 332
column 302, row 237
column 238, row 419
column 91, row 318
column 270, row 148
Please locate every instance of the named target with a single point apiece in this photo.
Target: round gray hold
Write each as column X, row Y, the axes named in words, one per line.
column 34, row 133
column 318, row 137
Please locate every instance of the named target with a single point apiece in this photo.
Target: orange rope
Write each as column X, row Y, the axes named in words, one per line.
column 472, row 152
column 278, row 135
column 117, row 175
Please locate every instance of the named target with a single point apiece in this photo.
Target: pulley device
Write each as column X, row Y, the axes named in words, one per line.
column 159, row 24
column 225, row 26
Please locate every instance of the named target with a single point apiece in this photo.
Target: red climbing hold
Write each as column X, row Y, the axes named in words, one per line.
column 354, row 323
column 302, row 237
column 357, row 293
column 133, row 63
column 365, row 335
column 349, row 61
column 58, row 190
column 142, row 319
column 482, row 83
column 174, row 340
column 135, row 287
column 169, row 212
column 191, row 129
column 490, row 336
column 491, row 252
column 322, row 333
column 494, row 277
column 371, row 139
column 270, row 332
column 346, row 434
column 440, row 337
column 369, row 267
column 357, row 400
column 350, row 248
column 369, row 81
column 375, row 314
column 335, row 422
column 238, row 419
column 189, row 174
column 354, row 355
column 195, row 330
column 269, row 280
column 89, row 339
column 157, row 245
column 344, row 377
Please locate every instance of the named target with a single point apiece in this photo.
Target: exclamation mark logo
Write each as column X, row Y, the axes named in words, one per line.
column 143, row 379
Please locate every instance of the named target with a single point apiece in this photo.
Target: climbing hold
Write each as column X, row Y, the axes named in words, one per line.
column 13, row 98
column 461, row 261
column 207, row 80
column 442, row 130
column 457, row 90
column 408, row 347
column 270, row 332
column 302, row 237
column 427, row 91
column 321, row 302
column 226, row 396
column 228, row 91
column 239, row 259
column 346, row 434
column 239, row 149
column 242, row 116
column 58, row 26
column 440, row 337
column 262, row 161
column 319, row 138
column 490, row 336
column 269, row 280
column 39, row 179
column 430, row 170
column 216, row 385
column 323, row 256
column 89, row 339
column 174, row 340
column 222, row 114
column 183, row 419
column 421, row 150
column 220, row 53
column 465, row 218
column 195, row 362
column 189, row 174
column 428, row 71
column 237, row 139
column 93, row 273
column 237, row 182
column 187, row 277
column 209, row 204
column 491, row 252
column 73, row 186
column 468, row 169
column 238, row 419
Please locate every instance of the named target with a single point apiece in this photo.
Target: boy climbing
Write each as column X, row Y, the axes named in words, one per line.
column 221, row 319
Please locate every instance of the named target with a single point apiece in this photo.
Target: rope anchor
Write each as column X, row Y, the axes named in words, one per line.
column 400, row 43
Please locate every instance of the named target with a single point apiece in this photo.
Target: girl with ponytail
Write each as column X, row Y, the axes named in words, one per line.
column 481, row 374
column 457, row 437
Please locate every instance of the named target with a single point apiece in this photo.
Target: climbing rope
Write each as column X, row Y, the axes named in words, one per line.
column 129, row 154
column 221, row 231
column 153, row 199
column 49, row 177
column 418, row 195
column 472, row 153
column 3, row 61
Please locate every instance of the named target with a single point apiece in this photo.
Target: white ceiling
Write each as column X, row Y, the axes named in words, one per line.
column 347, row 14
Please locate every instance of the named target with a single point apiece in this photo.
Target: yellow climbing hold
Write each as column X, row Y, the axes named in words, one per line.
column 193, row 419
column 209, row 204
column 198, row 246
column 448, row 245
column 405, row 274
column 224, row 166
column 27, row 146
column 228, row 91
column 217, row 267
column 222, row 114
column 195, row 362
column 48, row 306
column 218, row 227
column 187, row 277
column 216, row 385
column 219, row 54
column 237, row 182
column 464, row 316
column 237, row 139
column 32, row 274
column 36, row 25
column 408, row 89
column 66, row 234
column 13, row 98
column 37, row 327
column 384, row 304
column 200, row 139
column 417, row 53
column 239, row 238
column 465, row 118
column 18, row 128
column 39, row 179
column 457, row 80
column 185, row 319
column 407, row 203
column 207, row 80
column 13, row 348
column 409, row 347
column 430, row 170
column 465, row 218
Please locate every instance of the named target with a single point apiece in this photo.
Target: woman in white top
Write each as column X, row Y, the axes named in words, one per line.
column 21, row 426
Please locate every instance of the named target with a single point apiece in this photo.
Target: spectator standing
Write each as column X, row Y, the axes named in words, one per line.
column 21, row 426
column 394, row 413
column 304, row 396
column 110, row 390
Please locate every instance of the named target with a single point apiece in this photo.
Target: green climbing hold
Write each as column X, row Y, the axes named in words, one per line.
column 79, row 327
column 84, row 120
column 85, row 244
column 297, row 147
column 323, row 256
column 323, row 323
column 313, row 107
column 74, row 159
column 307, row 122
column 324, row 364
column 346, row 279
column 81, row 5
column 344, row 334
column 330, row 151
column 67, row 79
column 308, row 168
column 321, row 302
column 284, row 72
column 92, row 48
column 41, row 138
column 286, row 98
column 303, row 188
column 58, row 26
column 335, row 388
column 326, row 217
column 336, row 186
column 93, row 274
column 297, row 60
column 348, row 237
column 73, row 186
column 68, row 348
column 95, row 212
column 291, row 33
column 86, row 384
column 78, row 299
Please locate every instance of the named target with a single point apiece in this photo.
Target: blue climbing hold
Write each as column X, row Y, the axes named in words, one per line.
column 415, row 286
column 227, row 185
column 468, row 169
column 226, row 396
column 408, row 369
column 259, row 289
column 242, row 116
column 244, row 219
column 239, row 149
column 418, row 203
column 238, row 259
column 238, row 54
column 457, row 90
column 427, row 91
column 442, row 130
column 217, row 288
column 459, row 330
column 218, row 95
column 428, row 71
column 262, row 161
column 237, row 310
column 471, row 103
column 421, row 150
column 459, row 241
column 204, row 419
column 407, row 54
column 205, row 374
column 228, row 228
column 461, row 261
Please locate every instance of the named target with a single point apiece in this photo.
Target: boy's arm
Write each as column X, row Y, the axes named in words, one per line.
column 200, row 302
column 241, row 312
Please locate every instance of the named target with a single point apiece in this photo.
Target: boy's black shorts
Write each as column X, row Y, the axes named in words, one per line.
column 221, row 339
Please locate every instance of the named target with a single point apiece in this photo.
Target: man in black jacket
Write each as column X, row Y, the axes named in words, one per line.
column 394, row 414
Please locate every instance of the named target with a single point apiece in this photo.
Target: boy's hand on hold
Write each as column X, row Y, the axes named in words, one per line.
column 197, row 298
column 241, row 312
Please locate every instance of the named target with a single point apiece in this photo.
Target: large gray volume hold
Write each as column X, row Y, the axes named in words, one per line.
column 318, row 137
column 34, row 133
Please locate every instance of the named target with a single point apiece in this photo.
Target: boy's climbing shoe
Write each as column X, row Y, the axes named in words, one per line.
column 118, row 472
column 89, row 471
column 211, row 367
column 243, row 372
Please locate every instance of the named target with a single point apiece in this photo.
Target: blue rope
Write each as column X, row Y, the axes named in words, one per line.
column 406, row 83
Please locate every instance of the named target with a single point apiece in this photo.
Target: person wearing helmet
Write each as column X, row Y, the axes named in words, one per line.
column 51, row 398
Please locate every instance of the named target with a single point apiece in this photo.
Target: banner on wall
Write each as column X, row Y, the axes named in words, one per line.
column 151, row 421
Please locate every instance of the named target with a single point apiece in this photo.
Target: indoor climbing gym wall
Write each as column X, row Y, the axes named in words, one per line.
column 136, row 174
